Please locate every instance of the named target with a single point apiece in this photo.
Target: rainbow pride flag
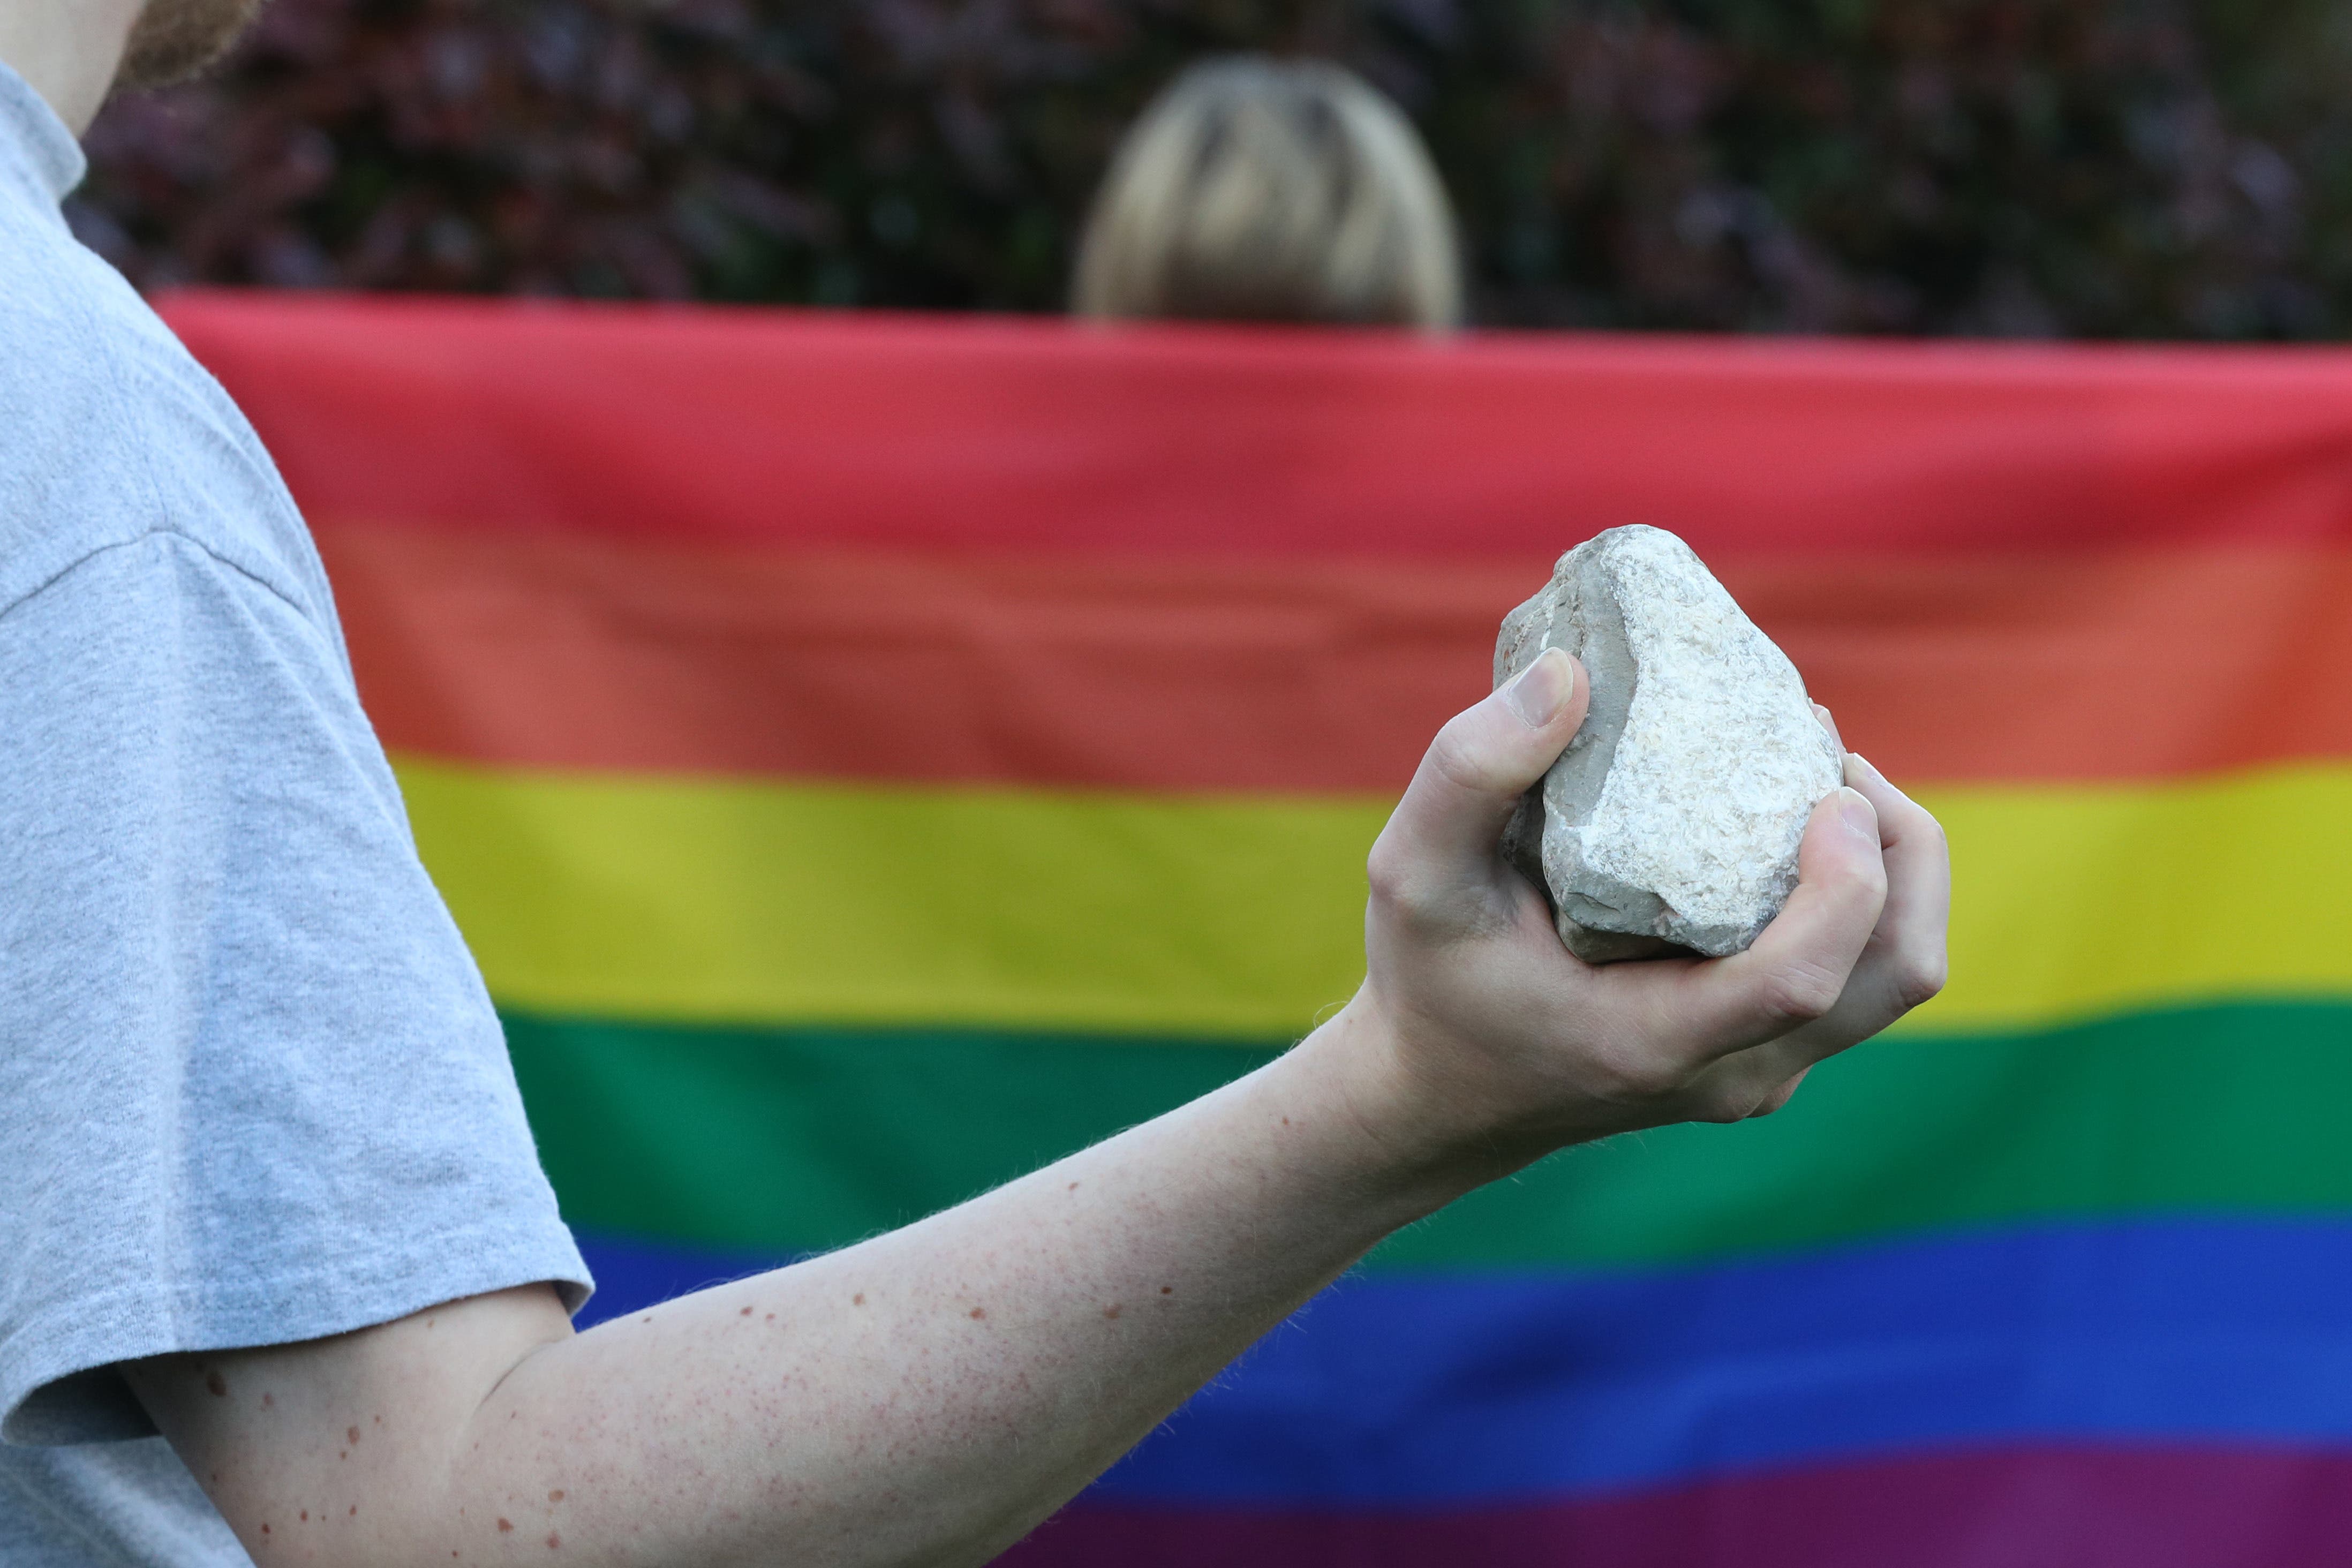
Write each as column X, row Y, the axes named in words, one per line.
column 872, row 756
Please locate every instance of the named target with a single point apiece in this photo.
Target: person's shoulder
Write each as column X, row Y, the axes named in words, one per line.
column 115, row 432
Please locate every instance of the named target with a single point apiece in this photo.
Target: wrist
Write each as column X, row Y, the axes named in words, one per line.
column 1409, row 1137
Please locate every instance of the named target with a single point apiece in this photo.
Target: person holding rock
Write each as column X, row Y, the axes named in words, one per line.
column 282, row 1281
column 1259, row 190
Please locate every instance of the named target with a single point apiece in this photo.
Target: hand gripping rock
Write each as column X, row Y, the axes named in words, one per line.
column 1671, row 822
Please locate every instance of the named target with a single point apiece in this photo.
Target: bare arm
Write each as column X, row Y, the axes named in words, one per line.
column 929, row 1396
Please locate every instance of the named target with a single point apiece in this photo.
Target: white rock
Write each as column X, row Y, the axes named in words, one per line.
column 1672, row 821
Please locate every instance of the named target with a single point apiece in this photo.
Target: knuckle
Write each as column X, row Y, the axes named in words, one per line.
column 1866, row 879
column 1923, row 828
column 1919, row 979
column 1454, row 758
column 1631, row 1079
column 1404, row 890
column 1846, row 884
column 1723, row 1106
column 1801, row 992
column 1389, row 870
column 1645, row 1076
column 1779, row 1094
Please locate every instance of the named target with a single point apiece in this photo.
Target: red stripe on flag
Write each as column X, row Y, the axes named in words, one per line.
column 868, row 431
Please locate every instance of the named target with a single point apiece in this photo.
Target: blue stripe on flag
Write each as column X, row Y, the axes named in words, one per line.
column 1401, row 1390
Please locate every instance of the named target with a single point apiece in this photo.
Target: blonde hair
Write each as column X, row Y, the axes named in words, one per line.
column 1257, row 190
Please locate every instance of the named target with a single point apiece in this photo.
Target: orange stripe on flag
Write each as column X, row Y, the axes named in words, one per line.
column 542, row 650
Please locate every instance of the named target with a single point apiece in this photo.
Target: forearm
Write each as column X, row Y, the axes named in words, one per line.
column 930, row 1395
column 926, row 1396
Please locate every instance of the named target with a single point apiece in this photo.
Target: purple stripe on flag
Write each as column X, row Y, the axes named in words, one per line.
column 2050, row 1507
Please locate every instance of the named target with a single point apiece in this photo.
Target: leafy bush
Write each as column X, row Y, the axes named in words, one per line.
column 2089, row 167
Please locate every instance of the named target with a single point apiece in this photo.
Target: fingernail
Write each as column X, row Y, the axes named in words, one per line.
column 1867, row 766
column 1856, row 812
column 1538, row 692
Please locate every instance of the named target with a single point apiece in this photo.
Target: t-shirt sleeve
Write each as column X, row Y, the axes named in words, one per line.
column 251, row 1088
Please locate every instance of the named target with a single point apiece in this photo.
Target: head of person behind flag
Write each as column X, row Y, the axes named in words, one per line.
column 1265, row 190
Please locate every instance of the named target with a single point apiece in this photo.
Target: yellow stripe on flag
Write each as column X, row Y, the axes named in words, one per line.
column 2074, row 901
column 664, row 897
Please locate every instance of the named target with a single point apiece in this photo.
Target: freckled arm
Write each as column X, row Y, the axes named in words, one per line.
column 925, row 1397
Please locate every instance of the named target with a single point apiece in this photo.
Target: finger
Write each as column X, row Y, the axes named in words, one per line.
column 1828, row 723
column 1756, row 1081
column 1797, row 970
column 1780, row 1096
column 1485, row 759
column 1913, row 928
column 1761, row 1079
column 1903, row 823
column 1902, row 965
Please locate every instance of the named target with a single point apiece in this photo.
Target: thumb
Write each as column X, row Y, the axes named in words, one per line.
column 1454, row 813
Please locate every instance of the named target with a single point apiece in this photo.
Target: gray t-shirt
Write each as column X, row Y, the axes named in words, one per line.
column 251, row 1090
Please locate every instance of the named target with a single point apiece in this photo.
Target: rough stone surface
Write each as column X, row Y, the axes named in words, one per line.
column 1672, row 822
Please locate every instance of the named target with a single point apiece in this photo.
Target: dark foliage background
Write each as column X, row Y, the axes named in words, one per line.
column 2083, row 167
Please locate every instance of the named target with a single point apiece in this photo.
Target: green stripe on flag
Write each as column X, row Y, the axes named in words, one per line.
column 787, row 1141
